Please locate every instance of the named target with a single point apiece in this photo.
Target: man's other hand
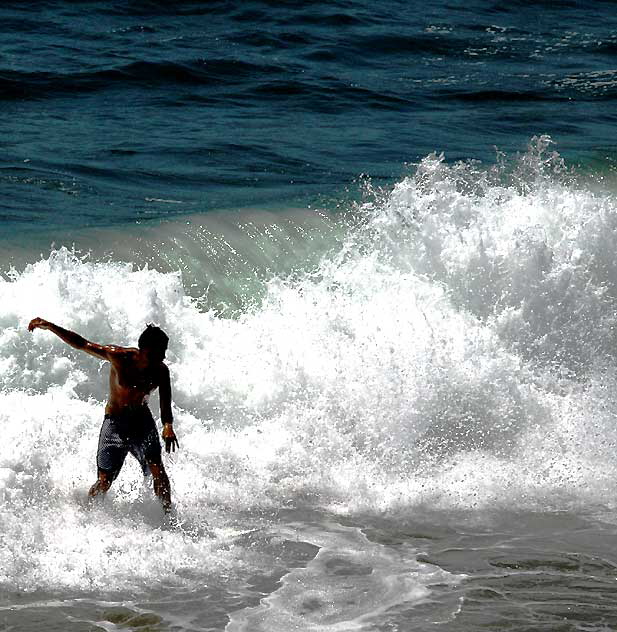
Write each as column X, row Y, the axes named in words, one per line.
column 169, row 436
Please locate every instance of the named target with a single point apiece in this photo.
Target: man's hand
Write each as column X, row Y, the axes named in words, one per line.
column 38, row 323
column 169, row 436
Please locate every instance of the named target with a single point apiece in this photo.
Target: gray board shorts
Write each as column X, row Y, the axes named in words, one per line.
column 131, row 431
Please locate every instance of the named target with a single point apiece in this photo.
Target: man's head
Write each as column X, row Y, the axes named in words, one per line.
column 153, row 341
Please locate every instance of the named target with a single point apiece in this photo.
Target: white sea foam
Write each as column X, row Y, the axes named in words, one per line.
column 455, row 352
column 350, row 583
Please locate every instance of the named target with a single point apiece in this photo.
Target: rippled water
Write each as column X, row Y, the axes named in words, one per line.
column 118, row 111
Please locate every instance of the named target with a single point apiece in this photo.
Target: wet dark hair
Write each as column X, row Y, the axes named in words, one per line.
column 153, row 337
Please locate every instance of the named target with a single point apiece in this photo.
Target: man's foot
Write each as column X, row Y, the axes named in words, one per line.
column 162, row 488
column 102, row 484
column 171, row 519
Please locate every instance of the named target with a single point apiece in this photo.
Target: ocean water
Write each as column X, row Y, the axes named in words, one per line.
column 381, row 238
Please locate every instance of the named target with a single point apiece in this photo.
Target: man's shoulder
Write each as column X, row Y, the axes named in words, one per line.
column 121, row 353
column 123, row 350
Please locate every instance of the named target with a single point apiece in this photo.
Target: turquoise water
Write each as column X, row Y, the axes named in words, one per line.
column 392, row 345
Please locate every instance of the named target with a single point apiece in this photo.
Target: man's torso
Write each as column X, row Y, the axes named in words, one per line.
column 130, row 382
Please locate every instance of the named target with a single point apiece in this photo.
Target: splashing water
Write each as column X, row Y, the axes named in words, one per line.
column 455, row 352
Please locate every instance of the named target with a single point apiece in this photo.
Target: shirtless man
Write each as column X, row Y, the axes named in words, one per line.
column 128, row 425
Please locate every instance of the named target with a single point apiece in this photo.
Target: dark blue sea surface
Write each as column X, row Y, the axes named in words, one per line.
column 118, row 111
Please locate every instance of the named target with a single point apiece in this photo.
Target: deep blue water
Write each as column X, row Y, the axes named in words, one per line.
column 119, row 111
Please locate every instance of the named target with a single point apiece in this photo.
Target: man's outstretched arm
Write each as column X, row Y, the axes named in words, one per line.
column 73, row 339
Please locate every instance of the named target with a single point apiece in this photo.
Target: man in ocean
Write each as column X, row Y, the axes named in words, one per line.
column 128, row 425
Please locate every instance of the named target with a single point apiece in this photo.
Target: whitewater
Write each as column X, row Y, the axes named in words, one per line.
column 411, row 428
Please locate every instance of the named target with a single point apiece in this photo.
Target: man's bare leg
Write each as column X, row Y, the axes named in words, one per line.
column 102, row 484
column 161, row 485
